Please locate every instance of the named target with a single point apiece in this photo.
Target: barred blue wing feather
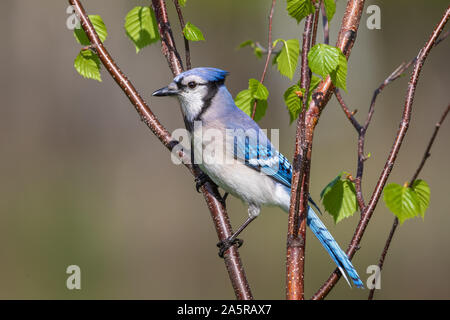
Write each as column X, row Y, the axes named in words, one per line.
column 263, row 157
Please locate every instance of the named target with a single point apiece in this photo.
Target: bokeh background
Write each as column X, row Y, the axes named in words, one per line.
column 84, row 182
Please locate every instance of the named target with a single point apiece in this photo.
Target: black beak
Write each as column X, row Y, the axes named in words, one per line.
column 166, row 91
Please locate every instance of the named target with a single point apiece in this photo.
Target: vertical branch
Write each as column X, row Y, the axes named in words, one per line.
column 318, row 4
column 269, row 52
column 403, row 127
column 300, row 177
column 426, row 155
column 296, row 239
column 326, row 31
column 168, row 47
column 186, row 41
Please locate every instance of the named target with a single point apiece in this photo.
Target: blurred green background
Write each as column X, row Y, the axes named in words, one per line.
column 84, row 182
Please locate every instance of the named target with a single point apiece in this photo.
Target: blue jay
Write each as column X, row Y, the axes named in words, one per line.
column 251, row 168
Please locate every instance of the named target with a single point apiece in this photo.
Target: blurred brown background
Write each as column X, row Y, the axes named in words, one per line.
column 84, row 182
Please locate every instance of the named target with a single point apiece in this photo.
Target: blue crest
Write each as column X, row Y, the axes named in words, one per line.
column 209, row 74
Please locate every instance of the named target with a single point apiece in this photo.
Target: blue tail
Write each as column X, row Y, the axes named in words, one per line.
column 332, row 247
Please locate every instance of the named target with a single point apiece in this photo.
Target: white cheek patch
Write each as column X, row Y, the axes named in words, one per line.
column 192, row 102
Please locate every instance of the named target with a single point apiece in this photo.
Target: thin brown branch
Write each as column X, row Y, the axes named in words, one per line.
column 316, row 22
column 403, row 127
column 218, row 212
column 296, row 239
column 361, row 159
column 326, row 31
column 168, row 47
column 186, row 41
column 269, row 52
column 362, row 130
column 426, row 155
column 347, row 111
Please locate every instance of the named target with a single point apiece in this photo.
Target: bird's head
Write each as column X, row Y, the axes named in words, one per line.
column 195, row 89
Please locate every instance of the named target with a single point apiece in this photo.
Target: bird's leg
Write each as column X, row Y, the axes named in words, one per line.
column 201, row 180
column 224, row 199
column 224, row 245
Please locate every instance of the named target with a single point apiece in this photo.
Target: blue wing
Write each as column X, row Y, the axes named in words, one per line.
column 257, row 152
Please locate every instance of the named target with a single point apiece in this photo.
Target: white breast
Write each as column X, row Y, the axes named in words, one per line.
column 233, row 176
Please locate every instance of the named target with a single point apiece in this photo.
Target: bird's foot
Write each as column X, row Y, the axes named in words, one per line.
column 201, row 180
column 226, row 244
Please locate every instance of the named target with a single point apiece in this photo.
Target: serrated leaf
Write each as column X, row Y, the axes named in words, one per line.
column 261, row 107
column 323, row 59
column 401, row 201
column 293, row 102
column 245, row 101
column 339, row 199
column 299, row 9
column 330, row 9
column 339, row 76
column 88, row 65
column 141, row 27
column 287, row 59
column 99, row 27
column 192, row 33
column 330, row 185
column 258, row 90
column 421, row 188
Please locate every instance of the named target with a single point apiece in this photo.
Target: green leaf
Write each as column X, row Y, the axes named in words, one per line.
column 258, row 90
column 247, row 43
column 421, row 188
column 330, row 8
column 339, row 198
column 88, row 65
column 323, row 59
column 258, row 52
column 275, row 58
column 299, row 9
column 141, row 27
column 314, row 83
column 192, row 33
column 261, row 107
column 330, row 185
column 402, row 201
column 339, row 76
column 293, row 102
column 287, row 59
column 99, row 27
column 245, row 101
column 182, row 2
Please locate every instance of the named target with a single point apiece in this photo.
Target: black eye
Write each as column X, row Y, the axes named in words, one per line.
column 192, row 84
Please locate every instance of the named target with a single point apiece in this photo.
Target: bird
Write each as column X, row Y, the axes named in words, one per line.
column 240, row 158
